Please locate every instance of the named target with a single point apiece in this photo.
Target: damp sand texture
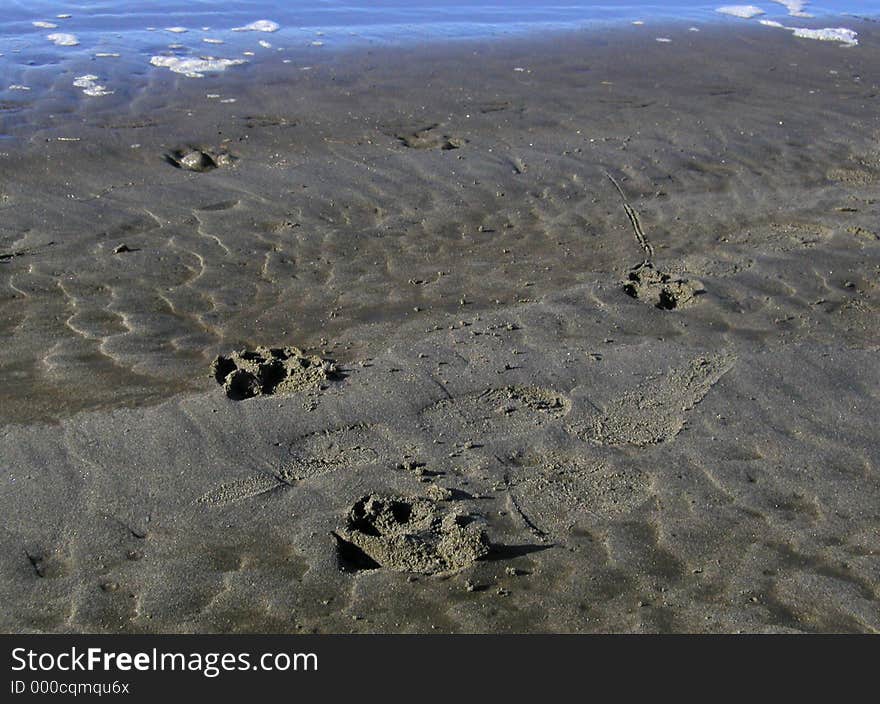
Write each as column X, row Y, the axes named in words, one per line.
column 417, row 342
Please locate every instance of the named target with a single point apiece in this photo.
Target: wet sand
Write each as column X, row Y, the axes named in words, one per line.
column 602, row 316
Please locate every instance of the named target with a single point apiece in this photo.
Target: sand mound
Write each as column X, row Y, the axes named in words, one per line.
column 661, row 290
column 408, row 535
column 270, row 370
column 430, row 138
column 199, row 159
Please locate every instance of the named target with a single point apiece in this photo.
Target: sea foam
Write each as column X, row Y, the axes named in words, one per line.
column 193, row 67
column 795, row 7
column 63, row 39
column 259, row 26
column 746, row 12
column 829, row 34
column 89, row 85
column 843, row 35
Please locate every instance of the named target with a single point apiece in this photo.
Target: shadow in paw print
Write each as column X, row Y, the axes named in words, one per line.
column 408, row 534
column 272, row 370
column 661, row 290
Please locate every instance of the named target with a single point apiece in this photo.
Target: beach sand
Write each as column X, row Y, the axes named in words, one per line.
column 602, row 315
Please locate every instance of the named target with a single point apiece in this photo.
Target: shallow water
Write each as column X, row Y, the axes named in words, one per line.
column 90, row 50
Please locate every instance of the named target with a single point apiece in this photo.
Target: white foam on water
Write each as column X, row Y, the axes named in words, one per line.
column 97, row 91
column 44, row 25
column 259, row 26
column 847, row 37
column 795, row 7
column 18, row 86
column 64, row 16
column 90, row 86
column 745, row 12
column 828, row 34
column 663, row 40
column 107, row 55
column 62, row 39
column 263, row 43
column 194, row 67
column 176, row 30
column 212, row 40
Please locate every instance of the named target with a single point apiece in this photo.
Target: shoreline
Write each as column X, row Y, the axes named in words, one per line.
column 127, row 81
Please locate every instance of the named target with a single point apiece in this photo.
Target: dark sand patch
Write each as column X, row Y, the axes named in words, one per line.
column 48, row 564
